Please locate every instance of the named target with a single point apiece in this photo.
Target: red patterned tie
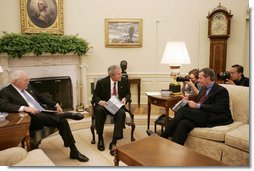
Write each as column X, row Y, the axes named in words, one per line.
column 202, row 96
column 114, row 89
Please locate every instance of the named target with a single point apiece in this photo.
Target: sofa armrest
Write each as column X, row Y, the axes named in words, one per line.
column 11, row 156
column 36, row 158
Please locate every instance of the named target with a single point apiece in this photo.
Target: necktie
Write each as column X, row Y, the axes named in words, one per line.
column 202, row 96
column 114, row 89
column 33, row 101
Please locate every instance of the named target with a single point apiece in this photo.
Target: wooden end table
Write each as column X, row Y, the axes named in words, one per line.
column 157, row 151
column 14, row 130
column 163, row 101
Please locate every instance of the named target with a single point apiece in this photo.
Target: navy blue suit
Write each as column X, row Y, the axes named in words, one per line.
column 214, row 111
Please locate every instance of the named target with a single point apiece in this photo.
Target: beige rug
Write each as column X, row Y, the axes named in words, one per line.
column 53, row 146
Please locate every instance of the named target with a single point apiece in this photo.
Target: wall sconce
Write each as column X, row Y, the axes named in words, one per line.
column 175, row 55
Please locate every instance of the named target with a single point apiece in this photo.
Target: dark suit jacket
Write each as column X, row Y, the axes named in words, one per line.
column 11, row 100
column 217, row 106
column 102, row 90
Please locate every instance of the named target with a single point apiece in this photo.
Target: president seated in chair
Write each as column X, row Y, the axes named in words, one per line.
column 111, row 85
column 19, row 96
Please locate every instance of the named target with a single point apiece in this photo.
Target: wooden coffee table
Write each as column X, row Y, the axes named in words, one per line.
column 157, row 151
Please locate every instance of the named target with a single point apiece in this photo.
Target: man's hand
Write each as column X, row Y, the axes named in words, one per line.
column 192, row 104
column 228, row 81
column 123, row 101
column 31, row 110
column 103, row 103
column 59, row 108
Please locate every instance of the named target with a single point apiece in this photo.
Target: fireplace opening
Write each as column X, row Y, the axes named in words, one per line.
column 58, row 89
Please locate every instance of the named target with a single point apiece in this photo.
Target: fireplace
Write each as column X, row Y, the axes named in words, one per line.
column 58, row 89
column 52, row 66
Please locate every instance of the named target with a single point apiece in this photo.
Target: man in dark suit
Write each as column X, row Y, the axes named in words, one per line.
column 20, row 97
column 102, row 93
column 211, row 109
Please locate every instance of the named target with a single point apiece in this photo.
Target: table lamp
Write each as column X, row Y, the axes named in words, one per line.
column 175, row 55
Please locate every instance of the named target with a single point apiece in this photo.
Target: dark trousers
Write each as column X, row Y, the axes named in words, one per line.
column 184, row 121
column 100, row 114
column 53, row 120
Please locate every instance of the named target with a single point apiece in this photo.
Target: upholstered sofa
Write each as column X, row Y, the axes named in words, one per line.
column 229, row 143
column 17, row 156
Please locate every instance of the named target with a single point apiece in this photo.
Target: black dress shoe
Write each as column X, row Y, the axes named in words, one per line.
column 149, row 132
column 100, row 145
column 111, row 148
column 111, row 145
column 74, row 116
column 79, row 156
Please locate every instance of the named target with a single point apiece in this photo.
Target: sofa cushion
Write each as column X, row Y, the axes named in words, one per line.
column 239, row 95
column 11, row 156
column 36, row 158
column 239, row 138
column 216, row 133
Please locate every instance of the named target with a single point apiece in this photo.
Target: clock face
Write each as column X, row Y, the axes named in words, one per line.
column 219, row 24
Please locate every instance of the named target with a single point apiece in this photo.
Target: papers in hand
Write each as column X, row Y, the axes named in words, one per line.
column 179, row 105
column 114, row 104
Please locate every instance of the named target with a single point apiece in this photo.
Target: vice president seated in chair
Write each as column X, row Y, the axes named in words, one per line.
column 19, row 96
column 106, row 87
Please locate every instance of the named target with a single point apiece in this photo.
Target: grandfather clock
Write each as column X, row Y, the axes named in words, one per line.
column 218, row 32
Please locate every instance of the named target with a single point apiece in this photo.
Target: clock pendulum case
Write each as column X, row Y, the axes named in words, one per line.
column 218, row 32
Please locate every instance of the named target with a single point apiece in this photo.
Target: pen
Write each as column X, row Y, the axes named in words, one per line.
column 20, row 120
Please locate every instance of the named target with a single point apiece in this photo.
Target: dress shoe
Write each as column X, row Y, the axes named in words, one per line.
column 79, row 156
column 149, row 133
column 74, row 116
column 111, row 145
column 100, row 145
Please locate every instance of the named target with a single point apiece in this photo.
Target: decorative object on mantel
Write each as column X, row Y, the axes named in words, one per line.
column 17, row 45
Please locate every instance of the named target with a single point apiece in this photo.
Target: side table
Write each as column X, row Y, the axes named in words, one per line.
column 162, row 101
column 14, row 130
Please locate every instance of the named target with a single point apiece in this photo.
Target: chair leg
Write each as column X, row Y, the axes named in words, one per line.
column 132, row 131
column 93, row 134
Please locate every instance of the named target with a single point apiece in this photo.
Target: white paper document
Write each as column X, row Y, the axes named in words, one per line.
column 153, row 93
column 114, row 104
column 179, row 105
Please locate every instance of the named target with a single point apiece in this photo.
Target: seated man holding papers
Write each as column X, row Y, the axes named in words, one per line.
column 106, row 94
column 19, row 96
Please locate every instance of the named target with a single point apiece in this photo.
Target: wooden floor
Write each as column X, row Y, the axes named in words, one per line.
column 53, row 145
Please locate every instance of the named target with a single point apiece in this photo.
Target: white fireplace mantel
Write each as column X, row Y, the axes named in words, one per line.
column 50, row 66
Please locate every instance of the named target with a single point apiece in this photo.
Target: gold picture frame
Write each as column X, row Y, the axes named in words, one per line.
column 39, row 16
column 123, row 33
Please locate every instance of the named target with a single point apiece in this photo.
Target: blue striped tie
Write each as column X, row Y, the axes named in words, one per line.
column 33, row 101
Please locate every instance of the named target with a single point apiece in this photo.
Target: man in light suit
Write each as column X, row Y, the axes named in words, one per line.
column 211, row 109
column 20, row 97
column 102, row 93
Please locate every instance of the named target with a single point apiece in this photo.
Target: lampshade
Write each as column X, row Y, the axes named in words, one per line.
column 175, row 54
column 1, row 69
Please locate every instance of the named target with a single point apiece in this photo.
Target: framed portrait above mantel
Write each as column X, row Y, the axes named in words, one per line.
column 123, row 33
column 38, row 16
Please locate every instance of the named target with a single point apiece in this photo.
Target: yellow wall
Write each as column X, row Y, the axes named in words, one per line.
column 163, row 20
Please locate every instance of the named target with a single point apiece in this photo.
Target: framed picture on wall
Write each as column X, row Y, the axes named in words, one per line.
column 123, row 33
column 42, row 16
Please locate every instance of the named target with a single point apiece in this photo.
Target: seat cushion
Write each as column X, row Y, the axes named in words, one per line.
column 239, row 138
column 216, row 133
column 11, row 156
column 110, row 119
